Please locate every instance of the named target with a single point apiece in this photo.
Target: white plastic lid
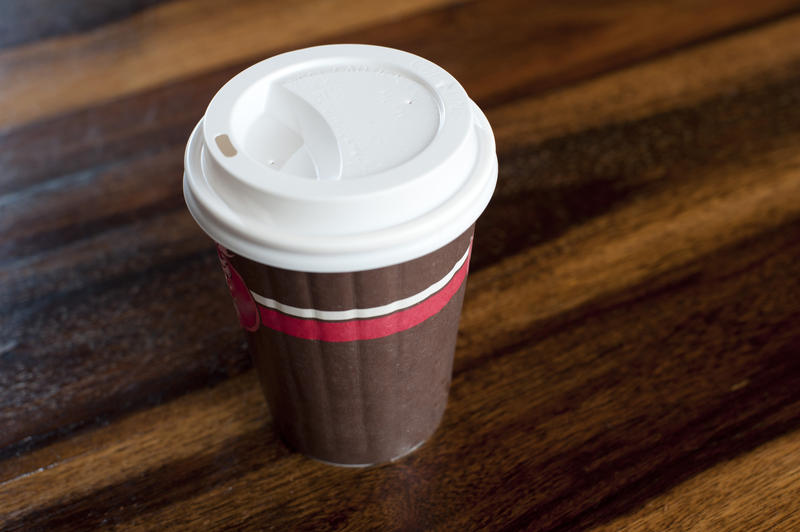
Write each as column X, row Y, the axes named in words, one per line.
column 339, row 158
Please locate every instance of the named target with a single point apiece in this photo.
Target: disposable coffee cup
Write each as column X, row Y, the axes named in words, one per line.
column 342, row 184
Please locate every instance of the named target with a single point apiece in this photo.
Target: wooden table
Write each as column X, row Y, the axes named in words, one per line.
column 629, row 352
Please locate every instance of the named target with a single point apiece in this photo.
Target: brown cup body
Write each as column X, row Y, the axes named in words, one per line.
column 355, row 391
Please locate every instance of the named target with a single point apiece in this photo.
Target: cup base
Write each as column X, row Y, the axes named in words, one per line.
column 389, row 461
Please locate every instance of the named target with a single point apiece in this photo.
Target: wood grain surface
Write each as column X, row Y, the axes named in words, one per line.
column 629, row 350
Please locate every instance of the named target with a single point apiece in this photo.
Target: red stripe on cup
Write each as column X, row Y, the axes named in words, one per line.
column 364, row 329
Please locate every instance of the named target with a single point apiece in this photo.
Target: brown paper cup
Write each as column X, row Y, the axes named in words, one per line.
column 355, row 366
column 342, row 183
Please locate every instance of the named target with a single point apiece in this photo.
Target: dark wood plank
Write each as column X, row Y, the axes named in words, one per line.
column 169, row 42
column 22, row 21
column 509, row 49
column 585, row 174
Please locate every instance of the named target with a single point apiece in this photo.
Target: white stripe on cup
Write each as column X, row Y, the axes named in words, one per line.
column 371, row 312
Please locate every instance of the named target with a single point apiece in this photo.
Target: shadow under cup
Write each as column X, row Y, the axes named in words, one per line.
column 356, row 366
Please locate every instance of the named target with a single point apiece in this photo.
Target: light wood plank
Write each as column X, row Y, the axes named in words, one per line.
column 758, row 491
column 734, row 63
column 170, row 42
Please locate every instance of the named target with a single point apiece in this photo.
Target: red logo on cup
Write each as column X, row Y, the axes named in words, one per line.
column 242, row 299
